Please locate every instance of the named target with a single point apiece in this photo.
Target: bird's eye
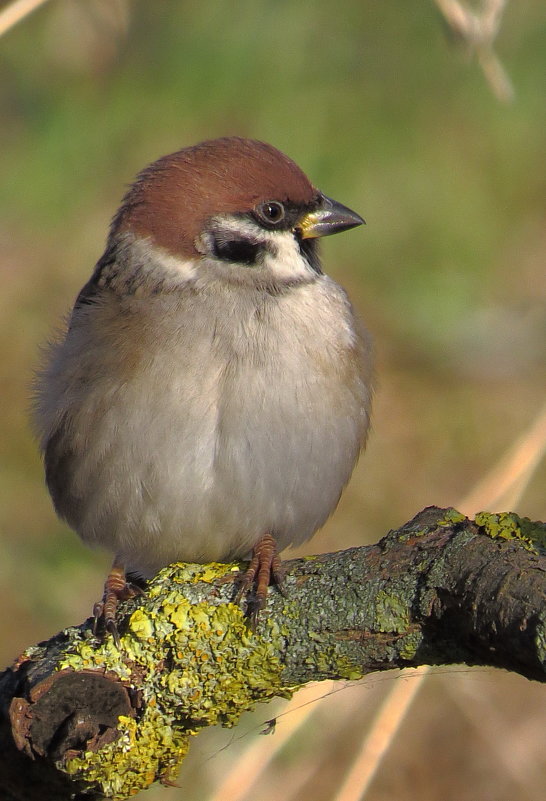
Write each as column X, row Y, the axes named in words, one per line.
column 271, row 213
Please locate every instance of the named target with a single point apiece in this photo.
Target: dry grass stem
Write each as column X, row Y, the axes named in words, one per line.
column 379, row 737
column 520, row 763
column 331, row 722
column 478, row 31
column 495, row 75
column 503, row 487
column 16, row 12
column 257, row 757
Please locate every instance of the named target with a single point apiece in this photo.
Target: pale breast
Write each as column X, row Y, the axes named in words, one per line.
column 205, row 420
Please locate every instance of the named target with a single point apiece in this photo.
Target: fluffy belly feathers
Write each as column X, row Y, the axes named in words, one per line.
column 172, row 462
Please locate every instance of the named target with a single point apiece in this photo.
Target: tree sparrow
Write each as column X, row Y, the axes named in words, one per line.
column 212, row 392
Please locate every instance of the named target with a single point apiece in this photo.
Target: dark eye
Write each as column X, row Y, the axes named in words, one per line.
column 271, row 212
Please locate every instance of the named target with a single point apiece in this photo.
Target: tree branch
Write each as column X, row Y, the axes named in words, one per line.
column 80, row 719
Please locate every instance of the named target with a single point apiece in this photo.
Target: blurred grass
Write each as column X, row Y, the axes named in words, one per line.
column 384, row 113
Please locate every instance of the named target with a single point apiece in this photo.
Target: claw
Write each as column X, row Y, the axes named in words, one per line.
column 264, row 566
column 97, row 614
column 116, row 589
column 111, row 628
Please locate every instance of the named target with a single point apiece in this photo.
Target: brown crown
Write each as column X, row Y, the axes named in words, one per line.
column 173, row 197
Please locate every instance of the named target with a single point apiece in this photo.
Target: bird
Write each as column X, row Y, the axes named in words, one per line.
column 212, row 391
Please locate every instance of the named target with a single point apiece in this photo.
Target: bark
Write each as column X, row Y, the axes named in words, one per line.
column 81, row 720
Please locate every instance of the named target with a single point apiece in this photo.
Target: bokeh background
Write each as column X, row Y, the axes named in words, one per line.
column 387, row 111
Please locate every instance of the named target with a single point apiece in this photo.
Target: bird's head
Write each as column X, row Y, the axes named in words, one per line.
column 231, row 207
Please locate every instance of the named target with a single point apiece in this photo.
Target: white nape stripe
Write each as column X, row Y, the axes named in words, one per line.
column 161, row 264
column 185, row 269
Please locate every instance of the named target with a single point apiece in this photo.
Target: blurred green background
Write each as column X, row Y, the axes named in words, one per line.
column 386, row 112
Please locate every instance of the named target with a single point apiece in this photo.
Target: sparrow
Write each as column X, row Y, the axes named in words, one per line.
column 212, row 392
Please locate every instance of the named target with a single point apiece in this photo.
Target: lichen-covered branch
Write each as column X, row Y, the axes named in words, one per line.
column 80, row 719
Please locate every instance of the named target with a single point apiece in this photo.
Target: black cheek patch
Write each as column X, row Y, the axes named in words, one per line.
column 239, row 251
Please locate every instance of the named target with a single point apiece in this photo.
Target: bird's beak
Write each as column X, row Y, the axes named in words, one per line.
column 330, row 218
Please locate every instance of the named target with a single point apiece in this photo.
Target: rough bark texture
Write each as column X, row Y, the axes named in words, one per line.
column 81, row 720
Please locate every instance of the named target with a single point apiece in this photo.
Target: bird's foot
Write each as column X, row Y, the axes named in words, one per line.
column 116, row 589
column 265, row 567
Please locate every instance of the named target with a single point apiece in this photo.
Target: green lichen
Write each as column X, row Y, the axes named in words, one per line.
column 410, row 644
column 509, row 526
column 391, row 613
column 327, row 661
column 540, row 638
column 317, row 636
column 426, row 522
column 346, row 669
column 535, row 531
column 201, row 665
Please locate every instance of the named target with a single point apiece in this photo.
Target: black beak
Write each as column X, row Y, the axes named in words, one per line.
column 331, row 217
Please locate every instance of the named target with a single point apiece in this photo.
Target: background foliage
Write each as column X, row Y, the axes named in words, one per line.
column 382, row 108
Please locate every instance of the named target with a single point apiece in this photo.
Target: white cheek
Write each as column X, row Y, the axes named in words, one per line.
column 285, row 262
column 288, row 261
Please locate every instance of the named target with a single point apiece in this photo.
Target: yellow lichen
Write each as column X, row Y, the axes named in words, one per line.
column 451, row 517
column 217, row 670
column 509, row 526
column 152, row 744
column 186, row 573
column 140, row 624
